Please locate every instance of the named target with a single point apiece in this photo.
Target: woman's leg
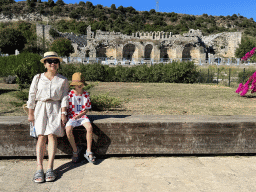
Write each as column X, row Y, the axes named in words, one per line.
column 40, row 150
column 52, row 147
column 71, row 139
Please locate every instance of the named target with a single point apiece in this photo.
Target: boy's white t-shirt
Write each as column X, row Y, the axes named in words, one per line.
column 78, row 104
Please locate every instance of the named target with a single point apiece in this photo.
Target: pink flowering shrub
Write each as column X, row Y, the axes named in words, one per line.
column 249, row 54
column 245, row 88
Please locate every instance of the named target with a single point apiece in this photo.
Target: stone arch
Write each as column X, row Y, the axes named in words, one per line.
column 101, row 52
column 87, row 53
column 148, row 51
column 163, row 53
column 186, row 53
column 128, row 51
column 154, row 35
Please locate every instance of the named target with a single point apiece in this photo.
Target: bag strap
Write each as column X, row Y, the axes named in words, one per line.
column 38, row 81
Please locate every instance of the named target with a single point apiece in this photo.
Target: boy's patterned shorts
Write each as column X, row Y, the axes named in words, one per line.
column 78, row 122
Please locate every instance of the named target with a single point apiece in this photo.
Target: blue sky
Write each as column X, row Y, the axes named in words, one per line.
column 245, row 8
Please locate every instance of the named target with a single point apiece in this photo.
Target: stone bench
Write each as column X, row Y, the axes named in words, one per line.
column 140, row 135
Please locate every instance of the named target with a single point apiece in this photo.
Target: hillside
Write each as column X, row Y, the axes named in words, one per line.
column 76, row 17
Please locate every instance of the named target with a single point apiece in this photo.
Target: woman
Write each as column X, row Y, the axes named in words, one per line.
column 47, row 105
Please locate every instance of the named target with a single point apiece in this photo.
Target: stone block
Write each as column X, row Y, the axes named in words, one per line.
column 140, row 135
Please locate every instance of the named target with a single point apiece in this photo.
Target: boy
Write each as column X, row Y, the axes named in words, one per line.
column 79, row 104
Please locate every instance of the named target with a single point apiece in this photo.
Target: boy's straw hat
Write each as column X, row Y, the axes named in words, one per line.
column 50, row 55
column 78, row 79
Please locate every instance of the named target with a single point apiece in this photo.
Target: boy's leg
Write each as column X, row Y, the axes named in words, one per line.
column 71, row 139
column 88, row 127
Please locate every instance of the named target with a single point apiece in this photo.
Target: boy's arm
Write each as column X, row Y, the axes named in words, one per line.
column 81, row 114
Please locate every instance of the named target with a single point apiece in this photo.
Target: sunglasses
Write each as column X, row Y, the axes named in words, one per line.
column 55, row 61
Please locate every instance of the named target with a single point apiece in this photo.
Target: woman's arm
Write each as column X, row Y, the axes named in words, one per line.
column 31, row 103
column 31, row 117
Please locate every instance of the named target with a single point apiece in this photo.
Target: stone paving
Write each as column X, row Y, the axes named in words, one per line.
column 166, row 173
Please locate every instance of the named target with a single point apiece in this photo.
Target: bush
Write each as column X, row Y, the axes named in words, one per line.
column 7, row 65
column 104, row 102
column 141, row 73
column 182, row 72
column 206, row 75
column 28, row 66
column 54, row 33
column 22, row 95
column 67, row 70
column 244, row 75
column 93, row 72
column 110, row 74
column 175, row 72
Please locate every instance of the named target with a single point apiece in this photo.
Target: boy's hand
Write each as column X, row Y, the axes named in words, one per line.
column 76, row 117
column 63, row 120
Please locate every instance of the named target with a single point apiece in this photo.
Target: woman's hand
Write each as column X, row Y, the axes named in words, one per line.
column 63, row 120
column 31, row 118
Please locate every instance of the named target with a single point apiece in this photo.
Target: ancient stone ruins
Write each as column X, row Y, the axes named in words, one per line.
column 153, row 46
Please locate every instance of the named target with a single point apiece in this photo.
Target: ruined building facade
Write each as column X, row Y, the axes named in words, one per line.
column 150, row 45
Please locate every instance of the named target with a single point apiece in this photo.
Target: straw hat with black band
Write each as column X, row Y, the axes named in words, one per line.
column 50, row 55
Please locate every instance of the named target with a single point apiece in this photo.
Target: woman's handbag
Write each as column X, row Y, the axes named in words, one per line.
column 32, row 126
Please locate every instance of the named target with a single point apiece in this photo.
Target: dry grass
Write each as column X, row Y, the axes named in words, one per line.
column 7, row 96
column 158, row 98
column 179, row 99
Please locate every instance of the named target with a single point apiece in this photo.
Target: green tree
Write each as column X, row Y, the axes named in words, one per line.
column 10, row 40
column 89, row 5
column 62, row 46
column 113, row 16
column 29, row 3
column 81, row 3
column 245, row 46
column 54, row 33
column 60, row 3
column 27, row 29
column 6, row 2
column 131, row 10
column 57, row 9
column 82, row 28
column 74, row 14
column 152, row 11
column 121, row 8
column 113, row 7
column 51, row 3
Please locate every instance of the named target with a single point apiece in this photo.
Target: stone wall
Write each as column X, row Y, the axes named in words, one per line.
column 121, row 134
column 152, row 45
column 43, row 35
